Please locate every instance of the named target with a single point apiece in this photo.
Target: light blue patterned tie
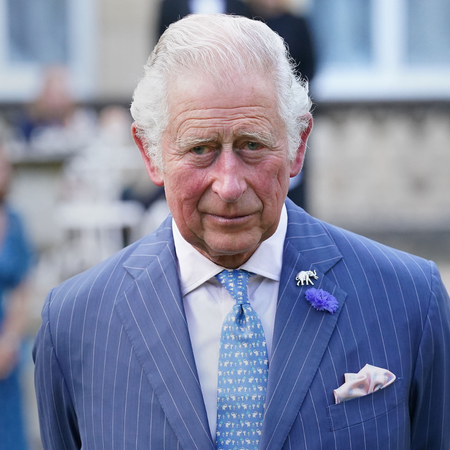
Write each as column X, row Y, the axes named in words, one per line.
column 243, row 369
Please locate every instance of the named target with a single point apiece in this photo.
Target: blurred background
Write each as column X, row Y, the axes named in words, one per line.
column 378, row 161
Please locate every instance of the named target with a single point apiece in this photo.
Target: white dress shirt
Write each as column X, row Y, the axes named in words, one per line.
column 207, row 303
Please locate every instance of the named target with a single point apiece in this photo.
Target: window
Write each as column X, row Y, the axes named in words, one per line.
column 381, row 49
column 38, row 33
column 428, row 33
column 46, row 22
column 343, row 32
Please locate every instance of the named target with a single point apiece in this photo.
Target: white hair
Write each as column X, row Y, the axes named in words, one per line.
column 218, row 45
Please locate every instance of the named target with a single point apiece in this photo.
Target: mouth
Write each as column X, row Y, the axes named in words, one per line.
column 228, row 219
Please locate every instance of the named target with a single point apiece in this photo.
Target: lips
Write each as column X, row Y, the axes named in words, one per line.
column 230, row 216
column 228, row 219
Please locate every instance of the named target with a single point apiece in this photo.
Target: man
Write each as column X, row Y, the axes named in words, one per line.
column 134, row 353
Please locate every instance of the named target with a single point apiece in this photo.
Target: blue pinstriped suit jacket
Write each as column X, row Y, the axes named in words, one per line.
column 115, row 368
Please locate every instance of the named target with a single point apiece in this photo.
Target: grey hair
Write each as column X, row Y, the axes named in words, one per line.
column 211, row 43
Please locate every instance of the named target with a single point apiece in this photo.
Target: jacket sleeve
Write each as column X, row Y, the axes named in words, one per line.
column 57, row 416
column 430, row 391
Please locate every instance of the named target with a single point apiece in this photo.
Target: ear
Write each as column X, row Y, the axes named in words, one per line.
column 153, row 172
column 297, row 164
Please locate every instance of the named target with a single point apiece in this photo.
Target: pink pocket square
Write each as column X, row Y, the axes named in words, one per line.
column 369, row 379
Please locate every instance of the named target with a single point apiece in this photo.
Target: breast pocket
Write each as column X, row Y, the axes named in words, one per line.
column 362, row 409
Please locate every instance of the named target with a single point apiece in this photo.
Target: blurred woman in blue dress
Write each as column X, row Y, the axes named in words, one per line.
column 15, row 260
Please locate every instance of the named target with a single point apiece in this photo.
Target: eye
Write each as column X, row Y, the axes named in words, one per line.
column 253, row 145
column 199, row 149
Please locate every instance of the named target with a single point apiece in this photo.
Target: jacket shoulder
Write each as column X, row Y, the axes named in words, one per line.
column 107, row 280
column 361, row 254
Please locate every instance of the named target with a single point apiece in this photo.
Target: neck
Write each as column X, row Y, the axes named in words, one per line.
column 229, row 261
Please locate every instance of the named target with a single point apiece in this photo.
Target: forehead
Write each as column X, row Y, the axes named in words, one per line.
column 199, row 104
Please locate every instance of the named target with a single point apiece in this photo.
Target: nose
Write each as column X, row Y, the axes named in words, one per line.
column 228, row 172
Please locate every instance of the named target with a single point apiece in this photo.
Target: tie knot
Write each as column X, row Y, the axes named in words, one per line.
column 235, row 281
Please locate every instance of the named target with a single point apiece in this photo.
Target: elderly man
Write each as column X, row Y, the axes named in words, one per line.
column 234, row 325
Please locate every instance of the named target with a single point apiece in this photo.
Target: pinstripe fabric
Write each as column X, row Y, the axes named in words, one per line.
column 115, row 368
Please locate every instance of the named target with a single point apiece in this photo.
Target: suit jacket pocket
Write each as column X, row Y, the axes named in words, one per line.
column 361, row 409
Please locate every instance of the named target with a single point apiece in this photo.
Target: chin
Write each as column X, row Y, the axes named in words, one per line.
column 232, row 247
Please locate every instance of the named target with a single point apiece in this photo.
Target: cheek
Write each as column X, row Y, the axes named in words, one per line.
column 273, row 180
column 184, row 189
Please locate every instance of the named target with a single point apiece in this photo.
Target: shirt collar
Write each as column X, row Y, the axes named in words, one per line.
column 194, row 269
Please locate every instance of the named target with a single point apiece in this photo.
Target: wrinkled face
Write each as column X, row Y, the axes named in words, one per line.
column 226, row 167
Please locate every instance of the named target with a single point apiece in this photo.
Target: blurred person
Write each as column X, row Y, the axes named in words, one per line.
column 293, row 28
column 242, row 321
column 296, row 32
column 15, row 260
column 173, row 10
column 53, row 107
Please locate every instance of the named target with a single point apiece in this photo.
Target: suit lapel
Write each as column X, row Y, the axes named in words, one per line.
column 152, row 313
column 301, row 333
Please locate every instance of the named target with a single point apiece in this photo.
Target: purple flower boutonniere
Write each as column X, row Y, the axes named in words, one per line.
column 321, row 300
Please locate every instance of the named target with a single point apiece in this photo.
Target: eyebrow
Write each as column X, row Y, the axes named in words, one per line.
column 194, row 141
column 266, row 139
